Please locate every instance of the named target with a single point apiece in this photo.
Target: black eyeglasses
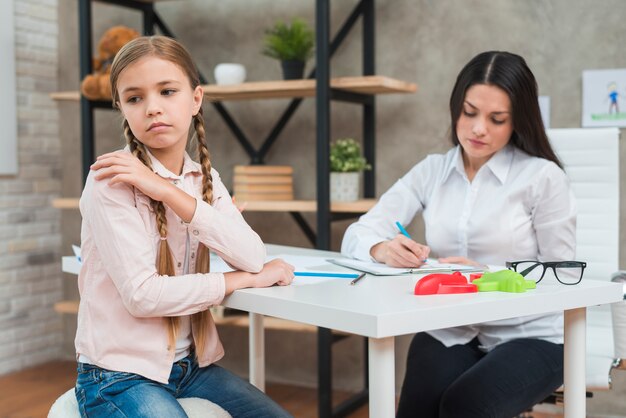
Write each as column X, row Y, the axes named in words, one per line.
column 566, row 272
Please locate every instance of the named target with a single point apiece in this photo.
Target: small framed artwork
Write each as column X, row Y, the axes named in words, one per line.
column 604, row 98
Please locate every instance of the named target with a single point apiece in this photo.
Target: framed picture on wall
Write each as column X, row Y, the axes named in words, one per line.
column 8, row 102
column 604, row 98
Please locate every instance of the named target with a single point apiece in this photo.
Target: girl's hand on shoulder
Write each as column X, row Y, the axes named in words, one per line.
column 123, row 167
column 274, row 272
column 459, row 260
column 400, row 252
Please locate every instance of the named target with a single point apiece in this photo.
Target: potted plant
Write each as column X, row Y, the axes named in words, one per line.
column 346, row 165
column 291, row 44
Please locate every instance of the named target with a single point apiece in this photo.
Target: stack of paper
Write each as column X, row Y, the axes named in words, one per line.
column 378, row 269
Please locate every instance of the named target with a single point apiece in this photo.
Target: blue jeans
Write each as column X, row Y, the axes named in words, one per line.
column 462, row 381
column 110, row 394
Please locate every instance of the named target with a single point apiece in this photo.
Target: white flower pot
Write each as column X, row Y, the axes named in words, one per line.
column 344, row 187
column 229, row 73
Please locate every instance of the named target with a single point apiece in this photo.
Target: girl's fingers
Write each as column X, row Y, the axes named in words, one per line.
column 104, row 173
column 113, row 158
column 121, row 178
column 114, row 153
column 108, row 162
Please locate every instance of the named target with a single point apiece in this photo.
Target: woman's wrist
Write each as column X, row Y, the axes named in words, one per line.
column 378, row 252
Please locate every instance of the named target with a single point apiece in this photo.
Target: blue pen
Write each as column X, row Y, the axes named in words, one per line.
column 324, row 274
column 406, row 234
column 402, row 230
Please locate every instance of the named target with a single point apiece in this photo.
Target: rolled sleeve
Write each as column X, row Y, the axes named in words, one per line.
column 222, row 229
column 400, row 203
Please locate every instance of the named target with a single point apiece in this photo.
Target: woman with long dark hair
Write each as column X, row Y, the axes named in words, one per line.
column 500, row 194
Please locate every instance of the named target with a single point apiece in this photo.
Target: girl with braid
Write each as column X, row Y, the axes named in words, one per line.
column 150, row 215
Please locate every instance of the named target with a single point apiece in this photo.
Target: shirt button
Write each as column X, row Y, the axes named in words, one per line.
column 180, row 264
column 175, row 182
column 196, row 232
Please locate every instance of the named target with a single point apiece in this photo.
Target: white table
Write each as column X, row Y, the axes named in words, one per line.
column 382, row 308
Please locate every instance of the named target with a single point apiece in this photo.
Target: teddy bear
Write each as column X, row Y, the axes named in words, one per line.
column 96, row 86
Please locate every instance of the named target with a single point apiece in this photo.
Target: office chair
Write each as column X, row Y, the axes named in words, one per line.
column 591, row 161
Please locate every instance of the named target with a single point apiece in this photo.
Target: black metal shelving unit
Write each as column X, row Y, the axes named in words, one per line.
column 325, row 48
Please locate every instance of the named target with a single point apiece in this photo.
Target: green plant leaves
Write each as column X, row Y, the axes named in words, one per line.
column 289, row 42
column 345, row 156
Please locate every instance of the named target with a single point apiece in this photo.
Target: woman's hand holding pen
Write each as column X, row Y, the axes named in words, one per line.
column 400, row 252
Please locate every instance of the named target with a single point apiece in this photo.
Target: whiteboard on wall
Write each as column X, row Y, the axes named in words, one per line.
column 8, row 98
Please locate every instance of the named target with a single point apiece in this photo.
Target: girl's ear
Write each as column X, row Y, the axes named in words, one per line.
column 198, row 93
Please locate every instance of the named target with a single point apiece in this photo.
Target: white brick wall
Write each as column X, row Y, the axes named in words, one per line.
column 30, row 240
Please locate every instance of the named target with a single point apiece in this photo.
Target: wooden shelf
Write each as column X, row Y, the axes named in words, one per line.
column 243, row 321
column 65, row 96
column 306, row 88
column 67, row 307
column 65, row 203
column 374, row 84
column 359, row 206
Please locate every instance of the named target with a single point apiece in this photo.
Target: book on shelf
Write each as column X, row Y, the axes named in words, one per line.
column 241, row 197
column 264, row 169
column 264, row 188
column 250, row 179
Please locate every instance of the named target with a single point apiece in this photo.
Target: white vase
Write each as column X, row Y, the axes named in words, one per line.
column 229, row 73
column 344, row 187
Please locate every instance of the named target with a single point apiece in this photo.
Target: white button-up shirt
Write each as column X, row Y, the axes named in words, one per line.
column 517, row 207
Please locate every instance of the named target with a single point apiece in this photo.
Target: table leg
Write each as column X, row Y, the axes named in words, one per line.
column 574, row 387
column 382, row 382
column 257, row 351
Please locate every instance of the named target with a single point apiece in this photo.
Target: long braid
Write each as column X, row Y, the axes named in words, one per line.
column 200, row 320
column 204, row 157
column 164, row 261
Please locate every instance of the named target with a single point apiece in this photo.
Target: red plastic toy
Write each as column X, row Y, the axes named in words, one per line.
column 474, row 276
column 441, row 283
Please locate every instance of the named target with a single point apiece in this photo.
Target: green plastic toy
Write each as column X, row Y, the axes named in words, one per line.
column 504, row 281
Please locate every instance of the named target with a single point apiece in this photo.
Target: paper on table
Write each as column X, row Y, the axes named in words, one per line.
column 379, row 269
column 312, row 264
column 76, row 250
column 301, row 263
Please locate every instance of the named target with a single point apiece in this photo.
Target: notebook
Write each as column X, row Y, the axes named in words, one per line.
column 378, row 269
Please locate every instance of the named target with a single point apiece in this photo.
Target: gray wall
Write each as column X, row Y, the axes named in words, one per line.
column 423, row 41
column 30, row 237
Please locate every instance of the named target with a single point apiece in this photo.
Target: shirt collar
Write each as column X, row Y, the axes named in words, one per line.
column 455, row 164
column 189, row 166
column 499, row 164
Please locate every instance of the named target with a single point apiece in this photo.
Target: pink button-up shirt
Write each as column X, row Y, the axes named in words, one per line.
column 124, row 299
